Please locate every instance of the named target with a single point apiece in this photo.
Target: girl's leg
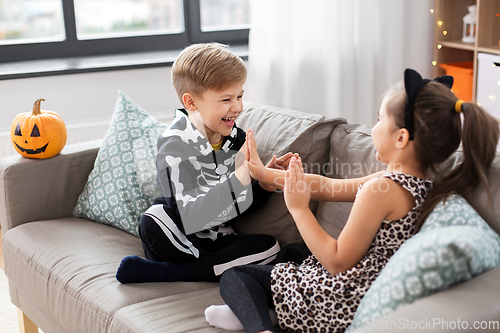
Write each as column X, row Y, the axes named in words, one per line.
column 247, row 291
column 294, row 252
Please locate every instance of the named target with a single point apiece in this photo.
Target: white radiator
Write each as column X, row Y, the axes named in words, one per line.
column 78, row 131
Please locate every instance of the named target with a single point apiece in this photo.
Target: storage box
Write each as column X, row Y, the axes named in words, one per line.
column 488, row 83
column 462, row 78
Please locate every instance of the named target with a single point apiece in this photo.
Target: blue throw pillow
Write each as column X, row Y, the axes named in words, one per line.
column 122, row 184
column 454, row 245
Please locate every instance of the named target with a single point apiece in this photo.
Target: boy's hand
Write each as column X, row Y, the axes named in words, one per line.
column 242, row 172
column 241, row 165
column 296, row 192
column 255, row 166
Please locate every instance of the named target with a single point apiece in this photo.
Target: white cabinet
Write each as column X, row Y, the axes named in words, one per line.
column 488, row 83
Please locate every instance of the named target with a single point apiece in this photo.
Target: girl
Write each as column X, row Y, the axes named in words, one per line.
column 419, row 126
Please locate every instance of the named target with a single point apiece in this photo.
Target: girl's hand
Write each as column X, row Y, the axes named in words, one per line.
column 279, row 164
column 296, row 191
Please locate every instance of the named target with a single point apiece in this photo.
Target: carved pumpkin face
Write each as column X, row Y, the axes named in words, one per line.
column 39, row 134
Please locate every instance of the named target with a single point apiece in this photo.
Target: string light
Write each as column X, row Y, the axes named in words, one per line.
column 440, row 46
column 432, row 10
column 434, row 63
column 445, row 32
column 479, row 104
column 440, row 23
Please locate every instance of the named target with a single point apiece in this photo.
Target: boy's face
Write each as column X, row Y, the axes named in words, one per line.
column 216, row 111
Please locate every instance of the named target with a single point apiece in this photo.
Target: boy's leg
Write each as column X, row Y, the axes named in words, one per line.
column 231, row 251
column 247, row 291
column 175, row 257
column 166, row 249
column 294, row 252
column 162, row 240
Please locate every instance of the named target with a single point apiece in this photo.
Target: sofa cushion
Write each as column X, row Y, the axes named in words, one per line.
column 176, row 313
column 454, row 245
column 278, row 131
column 68, row 266
column 122, row 184
column 351, row 155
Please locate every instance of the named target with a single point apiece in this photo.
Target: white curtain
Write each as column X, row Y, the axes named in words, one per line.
column 336, row 57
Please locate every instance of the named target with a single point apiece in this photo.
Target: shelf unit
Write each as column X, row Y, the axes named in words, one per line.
column 450, row 48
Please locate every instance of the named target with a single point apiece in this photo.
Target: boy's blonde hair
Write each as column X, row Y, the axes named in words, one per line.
column 201, row 67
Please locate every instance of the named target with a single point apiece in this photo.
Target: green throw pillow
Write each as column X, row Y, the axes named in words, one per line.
column 454, row 245
column 122, row 184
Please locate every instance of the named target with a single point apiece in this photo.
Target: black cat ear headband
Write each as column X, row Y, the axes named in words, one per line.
column 413, row 84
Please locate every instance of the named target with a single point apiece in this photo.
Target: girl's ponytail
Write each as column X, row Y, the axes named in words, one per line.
column 480, row 133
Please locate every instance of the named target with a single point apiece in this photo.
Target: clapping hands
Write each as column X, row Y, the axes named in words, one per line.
column 296, row 192
column 256, row 167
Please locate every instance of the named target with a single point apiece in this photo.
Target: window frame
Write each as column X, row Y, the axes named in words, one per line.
column 72, row 47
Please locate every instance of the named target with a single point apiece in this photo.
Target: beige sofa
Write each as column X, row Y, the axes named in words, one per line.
column 61, row 269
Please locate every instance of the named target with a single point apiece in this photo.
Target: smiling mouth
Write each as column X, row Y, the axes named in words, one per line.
column 229, row 121
column 32, row 151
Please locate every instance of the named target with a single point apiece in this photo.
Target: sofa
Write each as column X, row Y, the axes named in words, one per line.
column 61, row 266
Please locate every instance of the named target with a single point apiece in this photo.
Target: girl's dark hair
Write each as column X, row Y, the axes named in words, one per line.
column 438, row 130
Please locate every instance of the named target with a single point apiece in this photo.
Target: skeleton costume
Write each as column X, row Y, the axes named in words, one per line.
column 201, row 196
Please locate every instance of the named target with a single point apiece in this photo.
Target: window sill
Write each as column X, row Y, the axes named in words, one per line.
column 37, row 68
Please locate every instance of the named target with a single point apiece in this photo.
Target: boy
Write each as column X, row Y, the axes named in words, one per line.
column 204, row 179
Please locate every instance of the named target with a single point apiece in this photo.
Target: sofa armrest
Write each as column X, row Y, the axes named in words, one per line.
column 465, row 307
column 34, row 190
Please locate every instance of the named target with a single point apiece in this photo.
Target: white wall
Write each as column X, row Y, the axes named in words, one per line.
column 88, row 95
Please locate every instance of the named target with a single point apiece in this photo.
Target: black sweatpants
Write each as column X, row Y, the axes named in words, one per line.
column 247, row 289
column 206, row 259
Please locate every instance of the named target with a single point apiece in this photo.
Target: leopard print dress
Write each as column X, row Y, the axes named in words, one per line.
column 309, row 299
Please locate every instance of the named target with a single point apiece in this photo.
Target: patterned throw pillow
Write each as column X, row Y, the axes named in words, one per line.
column 454, row 245
column 122, row 184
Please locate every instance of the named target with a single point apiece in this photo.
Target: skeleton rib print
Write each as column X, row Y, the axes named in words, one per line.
column 202, row 182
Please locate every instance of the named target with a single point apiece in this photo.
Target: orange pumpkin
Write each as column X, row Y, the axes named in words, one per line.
column 39, row 134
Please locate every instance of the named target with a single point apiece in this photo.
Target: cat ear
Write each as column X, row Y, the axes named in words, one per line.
column 413, row 83
column 446, row 80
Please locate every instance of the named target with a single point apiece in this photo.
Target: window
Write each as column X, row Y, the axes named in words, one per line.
column 45, row 29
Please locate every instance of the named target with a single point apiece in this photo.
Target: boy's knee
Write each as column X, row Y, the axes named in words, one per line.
column 272, row 243
column 145, row 226
column 269, row 241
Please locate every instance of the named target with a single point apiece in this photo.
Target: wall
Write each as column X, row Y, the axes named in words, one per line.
column 86, row 101
column 89, row 95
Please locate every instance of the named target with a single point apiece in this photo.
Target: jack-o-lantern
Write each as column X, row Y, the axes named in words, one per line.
column 38, row 134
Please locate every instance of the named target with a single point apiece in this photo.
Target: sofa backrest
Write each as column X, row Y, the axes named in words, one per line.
column 479, row 199
column 348, row 152
column 278, row 131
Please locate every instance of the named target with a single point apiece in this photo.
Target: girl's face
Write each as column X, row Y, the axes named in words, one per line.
column 385, row 134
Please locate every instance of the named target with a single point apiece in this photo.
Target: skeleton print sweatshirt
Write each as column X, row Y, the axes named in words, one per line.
column 198, row 184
